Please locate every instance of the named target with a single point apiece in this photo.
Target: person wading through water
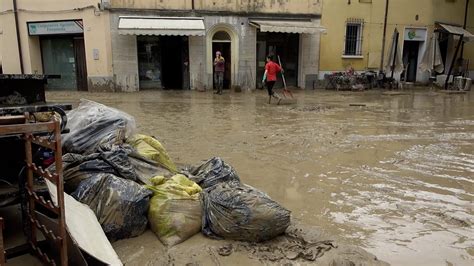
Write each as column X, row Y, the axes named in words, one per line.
column 270, row 77
column 219, row 67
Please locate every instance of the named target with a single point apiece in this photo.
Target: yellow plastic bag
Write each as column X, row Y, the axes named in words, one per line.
column 175, row 209
column 152, row 149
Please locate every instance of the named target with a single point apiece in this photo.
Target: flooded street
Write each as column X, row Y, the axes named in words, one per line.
column 391, row 174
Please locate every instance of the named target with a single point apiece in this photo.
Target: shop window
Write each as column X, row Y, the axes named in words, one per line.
column 221, row 36
column 353, row 39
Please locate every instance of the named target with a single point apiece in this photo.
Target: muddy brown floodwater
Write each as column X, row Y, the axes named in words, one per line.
column 392, row 174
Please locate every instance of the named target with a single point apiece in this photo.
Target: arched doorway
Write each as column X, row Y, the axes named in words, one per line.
column 221, row 41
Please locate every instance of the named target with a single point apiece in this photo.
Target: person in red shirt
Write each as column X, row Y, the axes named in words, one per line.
column 270, row 77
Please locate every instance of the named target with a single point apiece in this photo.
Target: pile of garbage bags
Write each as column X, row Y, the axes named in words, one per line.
column 129, row 181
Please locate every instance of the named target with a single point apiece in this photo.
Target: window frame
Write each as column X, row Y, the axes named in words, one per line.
column 356, row 50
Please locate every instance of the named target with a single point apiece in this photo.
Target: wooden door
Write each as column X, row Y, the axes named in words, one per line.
column 81, row 68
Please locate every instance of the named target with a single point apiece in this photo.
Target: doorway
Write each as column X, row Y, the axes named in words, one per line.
column 64, row 56
column 173, row 59
column 410, row 59
column 163, row 62
column 221, row 42
column 284, row 45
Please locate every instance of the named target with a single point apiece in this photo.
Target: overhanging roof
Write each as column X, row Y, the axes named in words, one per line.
column 180, row 26
column 287, row 26
column 459, row 31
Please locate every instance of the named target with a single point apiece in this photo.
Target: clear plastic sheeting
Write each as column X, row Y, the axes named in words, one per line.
column 120, row 205
column 213, row 172
column 175, row 209
column 93, row 124
column 241, row 212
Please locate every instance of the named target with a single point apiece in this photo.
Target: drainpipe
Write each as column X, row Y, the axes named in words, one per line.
column 15, row 13
column 464, row 27
column 192, row 5
column 384, row 38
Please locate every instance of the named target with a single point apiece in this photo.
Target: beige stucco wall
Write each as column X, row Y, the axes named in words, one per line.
column 402, row 14
column 261, row 6
column 96, row 33
column 1, row 43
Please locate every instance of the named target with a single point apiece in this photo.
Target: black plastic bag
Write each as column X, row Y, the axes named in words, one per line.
column 120, row 205
column 213, row 172
column 78, row 167
column 241, row 212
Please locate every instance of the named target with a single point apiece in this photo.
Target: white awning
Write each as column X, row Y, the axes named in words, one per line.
column 180, row 26
column 456, row 30
column 287, row 26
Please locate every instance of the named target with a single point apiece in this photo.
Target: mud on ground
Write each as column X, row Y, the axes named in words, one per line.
column 392, row 174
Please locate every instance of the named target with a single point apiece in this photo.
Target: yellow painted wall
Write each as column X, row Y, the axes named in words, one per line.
column 402, row 13
column 96, row 33
column 264, row 6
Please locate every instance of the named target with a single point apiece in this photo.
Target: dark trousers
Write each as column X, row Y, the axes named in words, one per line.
column 269, row 85
column 219, row 80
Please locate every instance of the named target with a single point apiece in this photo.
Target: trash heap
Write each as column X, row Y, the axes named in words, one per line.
column 130, row 182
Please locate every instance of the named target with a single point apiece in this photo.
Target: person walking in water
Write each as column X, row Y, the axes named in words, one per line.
column 219, row 68
column 270, row 77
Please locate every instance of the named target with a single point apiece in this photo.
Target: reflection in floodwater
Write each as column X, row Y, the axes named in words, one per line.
column 394, row 176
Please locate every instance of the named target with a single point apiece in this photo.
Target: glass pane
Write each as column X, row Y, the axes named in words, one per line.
column 221, row 36
column 58, row 59
column 149, row 62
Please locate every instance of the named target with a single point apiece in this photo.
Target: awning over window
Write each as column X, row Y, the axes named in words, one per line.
column 180, row 26
column 456, row 30
column 287, row 26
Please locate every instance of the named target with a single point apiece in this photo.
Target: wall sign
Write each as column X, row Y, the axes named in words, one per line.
column 55, row 27
column 415, row 34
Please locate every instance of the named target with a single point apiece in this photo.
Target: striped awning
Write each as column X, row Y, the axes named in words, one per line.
column 178, row 26
column 287, row 26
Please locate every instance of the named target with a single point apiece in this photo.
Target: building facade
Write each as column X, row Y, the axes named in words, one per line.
column 356, row 28
column 67, row 38
column 120, row 45
column 171, row 44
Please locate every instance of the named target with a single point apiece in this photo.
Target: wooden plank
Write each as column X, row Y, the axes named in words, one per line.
column 13, row 119
column 26, row 128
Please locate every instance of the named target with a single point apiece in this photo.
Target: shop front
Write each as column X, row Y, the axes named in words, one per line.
column 288, row 42
column 162, row 47
column 62, row 52
column 414, row 45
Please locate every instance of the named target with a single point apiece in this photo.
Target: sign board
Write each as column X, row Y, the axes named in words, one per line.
column 415, row 34
column 55, row 27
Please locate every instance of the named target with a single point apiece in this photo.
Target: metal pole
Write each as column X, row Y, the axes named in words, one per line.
column 15, row 13
column 453, row 62
column 384, row 37
column 464, row 26
column 395, row 53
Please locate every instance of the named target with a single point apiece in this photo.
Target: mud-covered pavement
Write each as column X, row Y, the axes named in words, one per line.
column 391, row 174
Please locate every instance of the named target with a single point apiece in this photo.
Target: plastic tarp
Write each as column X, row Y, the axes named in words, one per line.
column 120, row 205
column 93, row 124
column 152, row 149
column 175, row 209
column 241, row 212
column 213, row 172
